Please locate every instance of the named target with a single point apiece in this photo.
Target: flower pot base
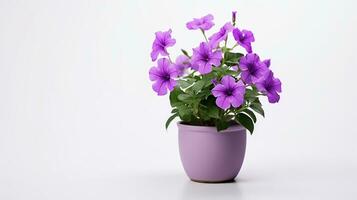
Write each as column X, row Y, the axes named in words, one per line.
column 218, row 181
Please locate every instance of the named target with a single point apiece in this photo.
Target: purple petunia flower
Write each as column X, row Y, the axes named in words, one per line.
column 244, row 38
column 203, row 23
column 161, row 42
column 251, row 67
column 270, row 86
column 181, row 64
column 229, row 92
column 221, row 35
column 163, row 75
column 204, row 58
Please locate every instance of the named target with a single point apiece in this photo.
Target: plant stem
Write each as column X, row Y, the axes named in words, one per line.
column 241, row 109
column 204, row 35
column 169, row 58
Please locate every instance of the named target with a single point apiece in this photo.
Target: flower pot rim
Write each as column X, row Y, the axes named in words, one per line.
column 196, row 128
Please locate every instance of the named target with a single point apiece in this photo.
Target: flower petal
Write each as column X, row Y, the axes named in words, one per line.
column 273, row 97
column 237, row 34
column 154, row 54
column 154, row 73
column 204, row 23
column 239, row 89
column 160, row 87
column 248, row 36
column 163, row 64
column 228, row 80
column 266, row 63
column 223, row 102
column 205, row 68
column 247, row 47
column 261, row 87
column 277, row 85
column 218, row 90
column 246, row 77
column 171, row 84
column 236, row 100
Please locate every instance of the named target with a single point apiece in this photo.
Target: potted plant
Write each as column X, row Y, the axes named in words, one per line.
column 215, row 91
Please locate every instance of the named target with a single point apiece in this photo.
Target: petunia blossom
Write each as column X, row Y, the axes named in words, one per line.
column 203, row 23
column 161, row 42
column 270, row 86
column 252, row 68
column 163, row 75
column 182, row 63
column 244, row 38
column 221, row 35
column 203, row 57
column 229, row 92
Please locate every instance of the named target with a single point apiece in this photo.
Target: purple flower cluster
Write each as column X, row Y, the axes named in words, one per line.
column 254, row 71
column 210, row 55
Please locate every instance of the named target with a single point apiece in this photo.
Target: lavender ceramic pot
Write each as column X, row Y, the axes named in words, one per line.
column 211, row 156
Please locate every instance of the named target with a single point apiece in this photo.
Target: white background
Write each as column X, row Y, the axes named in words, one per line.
column 78, row 118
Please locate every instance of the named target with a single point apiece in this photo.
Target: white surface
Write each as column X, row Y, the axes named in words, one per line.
column 78, row 119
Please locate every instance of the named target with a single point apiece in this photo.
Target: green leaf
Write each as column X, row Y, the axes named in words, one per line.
column 208, row 77
column 185, row 53
column 219, row 70
column 204, row 94
column 230, row 63
column 203, row 113
column 250, row 95
column 195, row 105
column 232, row 58
column 185, row 112
column 184, row 84
column 221, row 125
column 251, row 114
column 185, row 98
column 175, row 110
column 232, row 72
column 245, row 121
column 191, row 80
column 257, row 107
column 213, row 112
column 198, row 85
column 174, row 101
column 169, row 120
column 212, row 109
